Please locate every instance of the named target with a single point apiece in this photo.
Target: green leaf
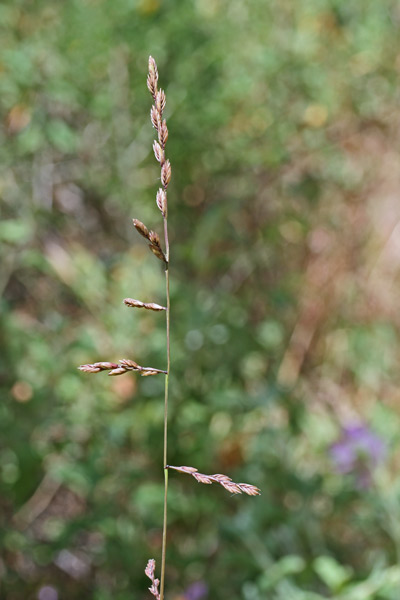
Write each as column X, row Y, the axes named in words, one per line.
column 331, row 572
column 15, row 231
column 61, row 136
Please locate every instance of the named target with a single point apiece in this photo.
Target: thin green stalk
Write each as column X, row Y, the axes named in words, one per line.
column 164, row 537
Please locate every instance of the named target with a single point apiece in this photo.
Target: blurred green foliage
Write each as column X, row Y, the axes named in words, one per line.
column 283, row 120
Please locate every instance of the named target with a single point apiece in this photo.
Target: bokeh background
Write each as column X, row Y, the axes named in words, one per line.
column 285, row 231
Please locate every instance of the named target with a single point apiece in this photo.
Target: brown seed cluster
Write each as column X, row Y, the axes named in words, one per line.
column 160, row 125
column 149, row 571
column 123, row 366
column 138, row 304
column 224, row 480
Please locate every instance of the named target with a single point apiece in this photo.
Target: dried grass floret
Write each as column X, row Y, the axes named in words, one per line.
column 160, row 101
column 158, row 152
column 153, row 68
column 152, row 77
column 166, row 174
column 161, row 200
column 97, row 367
column 155, row 117
column 141, row 228
column 162, row 133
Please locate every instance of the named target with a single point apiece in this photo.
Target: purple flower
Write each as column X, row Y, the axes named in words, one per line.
column 358, row 451
column 196, row 591
column 47, row 592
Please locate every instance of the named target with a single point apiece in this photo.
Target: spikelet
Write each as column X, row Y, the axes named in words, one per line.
column 152, row 77
column 166, row 173
column 161, row 200
column 97, row 367
column 155, row 117
column 155, row 245
column 158, row 152
column 141, row 228
column 160, row 101
column 152, row 237
column 162, row 133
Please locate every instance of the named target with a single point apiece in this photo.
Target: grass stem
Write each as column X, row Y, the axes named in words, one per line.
column 164, row 535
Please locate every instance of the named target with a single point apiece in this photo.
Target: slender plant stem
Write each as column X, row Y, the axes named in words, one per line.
column 164, row 537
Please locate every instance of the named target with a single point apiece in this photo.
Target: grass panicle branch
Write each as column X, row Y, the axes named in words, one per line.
column 150, row 572
column 138, row 304
column 123, row 366
column 224, row 480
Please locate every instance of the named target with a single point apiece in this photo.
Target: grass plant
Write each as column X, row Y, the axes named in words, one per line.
column 125, row 365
